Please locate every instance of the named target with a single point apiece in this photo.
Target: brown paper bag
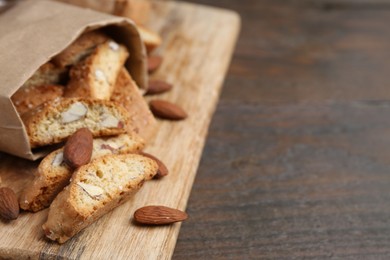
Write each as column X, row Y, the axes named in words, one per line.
column 31, row 33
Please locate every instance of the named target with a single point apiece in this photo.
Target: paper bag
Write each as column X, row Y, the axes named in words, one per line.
column 31, row 33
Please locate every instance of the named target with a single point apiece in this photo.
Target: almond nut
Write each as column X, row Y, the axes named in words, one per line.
column 78, row 148
column 9, row 206
column 75, row 112
column 58, row 159
column 109, row 121
column 167, row 110
column 162, row 169
column 113, row 45
column 158, row 215
column 158, row 87
column 154, row 62
column 99, row 74
column 92, row 190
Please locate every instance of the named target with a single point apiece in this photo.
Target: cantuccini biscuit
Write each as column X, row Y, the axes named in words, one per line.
column 127, row 94
column 151, row 39
column 47, row 74
column 80, row 48
column 53, row 174
column 29, row 97
column 95, row 76
column 95, row 189
column 54, row 121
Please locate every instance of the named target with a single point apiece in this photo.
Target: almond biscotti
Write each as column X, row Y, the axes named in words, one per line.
column 151, row 39
column 80, row 48
column 54, row 121
column 95, row 189
column 95, row 76
column 29, row 97
column 127, row 94
column 47, row 74
column 53, row 174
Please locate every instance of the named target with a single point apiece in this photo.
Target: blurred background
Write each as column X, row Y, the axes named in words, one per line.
column 297, row 161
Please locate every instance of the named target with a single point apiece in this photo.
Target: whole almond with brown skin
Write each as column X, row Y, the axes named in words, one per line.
column 78, row 148
column 158, row 215
column 167, row 110
column 162, row 169
column 9, row 206
column 154, row 62
column 158, row 87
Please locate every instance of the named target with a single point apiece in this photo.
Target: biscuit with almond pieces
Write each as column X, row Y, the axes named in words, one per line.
column 127, row 94
column 151, row 39
column 47, row 74
column 29, row 97
column 95, row 76
column 53, row 174
column 80, row 48
column 96, row 188
column 52, row 122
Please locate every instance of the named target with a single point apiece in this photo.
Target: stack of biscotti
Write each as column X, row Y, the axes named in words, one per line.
column 85, row 89
column 82, row 86
column 54, row 174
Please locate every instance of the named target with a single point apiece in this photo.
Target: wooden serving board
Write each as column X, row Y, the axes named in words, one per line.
column 197, row 48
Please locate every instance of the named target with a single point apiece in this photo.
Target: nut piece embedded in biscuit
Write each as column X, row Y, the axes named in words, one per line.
column 95, row 76
column 75, row 112
column 58, row 159
column 53, row 123
column 93, row 191
column 113, row 45
column 99, row 74
column 108, row 120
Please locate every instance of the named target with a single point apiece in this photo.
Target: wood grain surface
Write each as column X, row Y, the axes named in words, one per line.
column 297, row 160
column 198, row 43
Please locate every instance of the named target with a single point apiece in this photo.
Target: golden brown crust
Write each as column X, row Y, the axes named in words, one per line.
column 78, row 206
column 128, row 95
column 80, row 48
column 151, row 39
column 47, row 74
column 48, row 182
column 53, row 174
column 95, row 76
column 49, row 123
column 29, row 97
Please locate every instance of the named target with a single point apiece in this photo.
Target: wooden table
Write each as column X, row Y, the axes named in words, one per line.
column 297, row 161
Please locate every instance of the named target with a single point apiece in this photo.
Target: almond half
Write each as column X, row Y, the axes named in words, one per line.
column 78, row 148
column 154, row 62
column 158, row 87
column 9, row 206
column 158, row 215
column 167, row 110
column 162, row 169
